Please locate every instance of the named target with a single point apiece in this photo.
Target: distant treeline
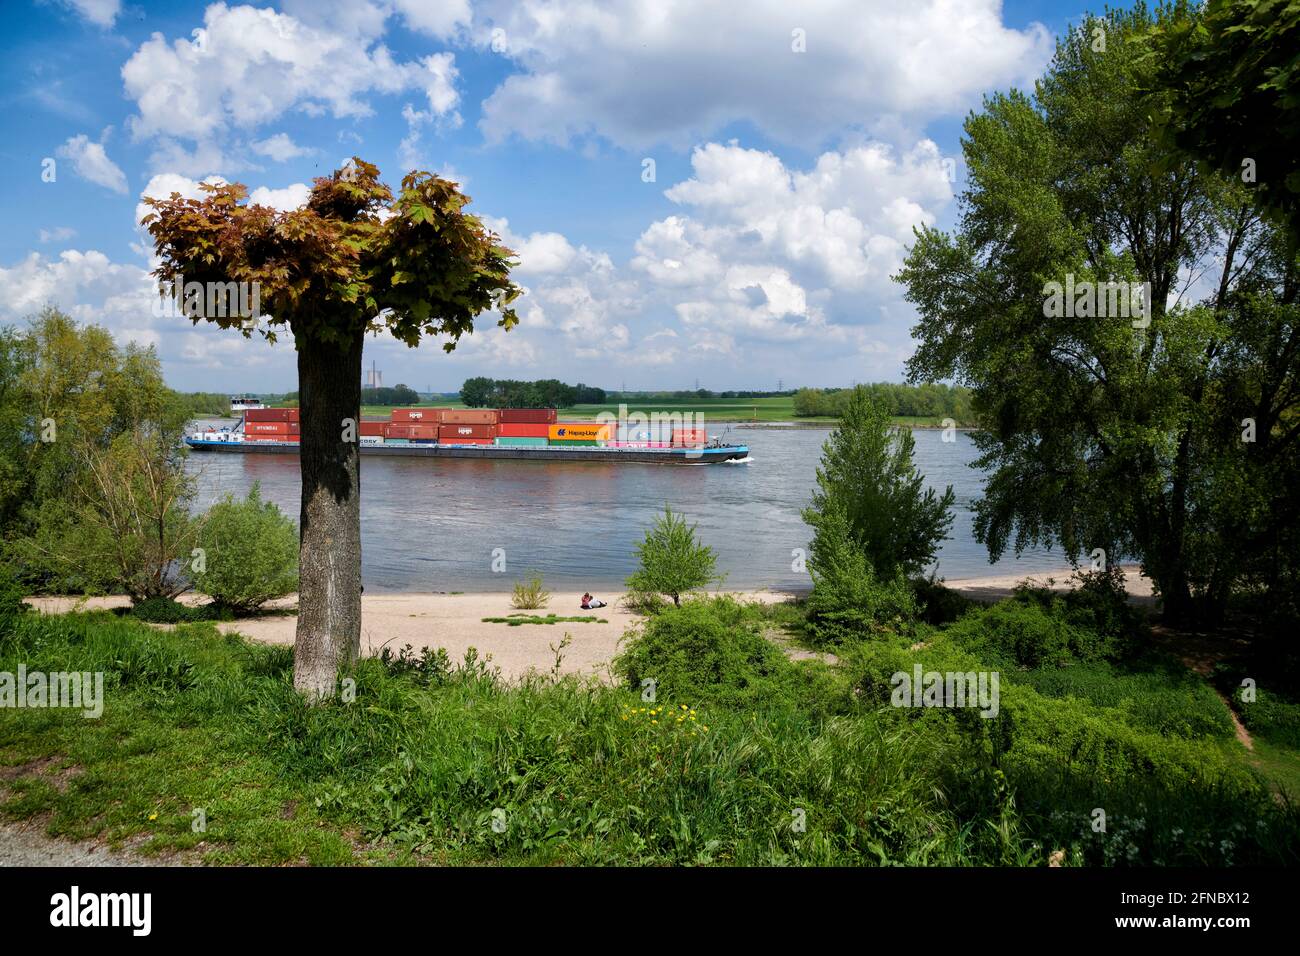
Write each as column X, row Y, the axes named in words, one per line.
column 482, row 392
column 911, row 401
column 397, row 395
column 689, row 395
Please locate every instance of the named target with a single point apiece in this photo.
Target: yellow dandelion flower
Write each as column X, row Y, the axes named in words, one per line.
column 153, row 816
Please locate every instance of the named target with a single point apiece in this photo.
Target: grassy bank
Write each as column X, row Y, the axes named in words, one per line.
column 745, row 757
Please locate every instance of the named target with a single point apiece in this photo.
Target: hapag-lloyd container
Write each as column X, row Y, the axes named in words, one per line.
column 580, row 431
column 427, row 416
column 526, row 416
column 469, row 416
column 523, row 430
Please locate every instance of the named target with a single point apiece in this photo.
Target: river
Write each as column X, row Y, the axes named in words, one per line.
column 437, row 524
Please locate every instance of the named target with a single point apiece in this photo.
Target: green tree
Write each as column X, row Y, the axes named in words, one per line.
column 671, row 561
column 1114, row 432
column 477, row 391
column 354, row 259
column 867, row 475
column 249, row 552
column 1226, row 90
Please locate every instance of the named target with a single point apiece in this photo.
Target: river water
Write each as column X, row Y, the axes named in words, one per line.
column 436, row 524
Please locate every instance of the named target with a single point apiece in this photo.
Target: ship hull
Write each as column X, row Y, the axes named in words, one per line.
column 649, row 456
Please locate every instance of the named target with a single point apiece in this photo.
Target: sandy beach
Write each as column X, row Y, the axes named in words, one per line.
column 455, row 621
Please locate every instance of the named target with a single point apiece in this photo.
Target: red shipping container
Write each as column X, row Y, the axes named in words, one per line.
column 274, row 428
column 530, row 416
column 522, row 430
column 450, row 434
column 410, row 430
column 372, row 428
column 271, row 415
column 429, row 416
column 690, row 436
column 469, row 416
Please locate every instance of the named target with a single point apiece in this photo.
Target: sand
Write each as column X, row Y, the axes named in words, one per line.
column 455, row 622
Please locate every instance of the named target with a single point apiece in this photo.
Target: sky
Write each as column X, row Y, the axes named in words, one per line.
column 696, row 191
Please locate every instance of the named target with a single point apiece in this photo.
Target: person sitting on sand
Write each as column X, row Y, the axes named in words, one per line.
column 589, row 603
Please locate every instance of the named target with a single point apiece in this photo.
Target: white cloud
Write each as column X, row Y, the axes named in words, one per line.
column 101, row 13
column 640, row 74
column 91, row 162
column 279, row 148
column 246, row 67
column 286, row 199
column 57, row 234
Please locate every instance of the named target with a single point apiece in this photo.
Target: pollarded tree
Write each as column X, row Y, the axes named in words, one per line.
column 354, row 259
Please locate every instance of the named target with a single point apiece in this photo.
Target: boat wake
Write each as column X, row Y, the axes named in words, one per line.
column 739, row 461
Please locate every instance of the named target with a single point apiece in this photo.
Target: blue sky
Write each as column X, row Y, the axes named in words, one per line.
column 794, row 147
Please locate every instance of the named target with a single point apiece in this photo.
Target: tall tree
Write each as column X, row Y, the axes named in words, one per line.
column 1120, row 432
column 354, row 259
column 868, row 482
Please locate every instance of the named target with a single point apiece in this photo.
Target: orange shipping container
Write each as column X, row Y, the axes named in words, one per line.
column 580, row 431
column 469, row 416
column 690, row 436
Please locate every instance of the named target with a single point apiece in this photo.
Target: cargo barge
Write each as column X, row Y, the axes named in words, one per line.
column 518, row 434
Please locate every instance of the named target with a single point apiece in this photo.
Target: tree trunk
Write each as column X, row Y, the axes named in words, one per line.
column 329, row 564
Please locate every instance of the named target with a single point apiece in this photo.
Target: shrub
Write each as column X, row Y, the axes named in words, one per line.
column 1274, row 718
column 530, row 595
column 671, row 561
column 1019, row 633
column 1098, row 603
column 700, row 650
column 162, row 610
column 848, row 601
column 250, row 553
column 12, row 593
column 940, row 605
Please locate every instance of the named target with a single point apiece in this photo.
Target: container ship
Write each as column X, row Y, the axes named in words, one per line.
column 530, row 434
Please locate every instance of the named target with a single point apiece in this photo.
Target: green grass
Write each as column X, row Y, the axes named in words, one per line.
column 514, row 620
column 424, row 758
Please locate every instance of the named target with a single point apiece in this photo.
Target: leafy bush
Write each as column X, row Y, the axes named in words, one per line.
column 1098, row 602
column 1164, row 699
column 848, row 601
column 12, row 593
column 530, row 595
column 1025, row 633
column 1274, row 718
column 250, row 553
column 700, row 650
column 940, row 605
column 671, row 561
column 162, row 610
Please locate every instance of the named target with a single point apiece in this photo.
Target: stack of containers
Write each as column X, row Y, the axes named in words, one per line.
column 524, row 426
column 468, row 426
column 575, row 434
column 372, row 431
column 271, row 424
